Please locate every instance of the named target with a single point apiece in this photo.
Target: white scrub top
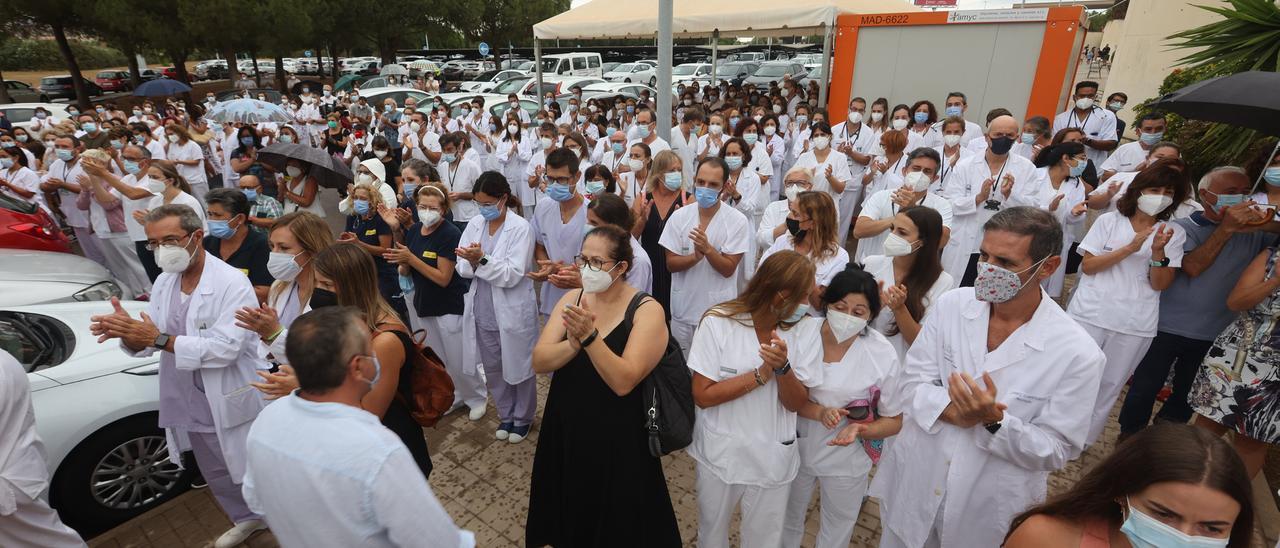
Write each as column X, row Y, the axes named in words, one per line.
column 1098, row 125
column 881, row 268
column 827, row 267
column 461, row 179
column 880, row 206
column 561, row 240
column 701, row 287
column 1120, row 298
column 839, row 164
column 1126, row 157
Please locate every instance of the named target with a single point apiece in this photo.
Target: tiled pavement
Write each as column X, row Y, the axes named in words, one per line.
column 484, row 485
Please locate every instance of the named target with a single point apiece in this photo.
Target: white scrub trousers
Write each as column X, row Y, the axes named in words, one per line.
column 839, row 504
column 34, row 523
column 762, row 512
column 1123, row 353
column 444, row 335
column 122, row 260
column 683, row 334
column 846, row 206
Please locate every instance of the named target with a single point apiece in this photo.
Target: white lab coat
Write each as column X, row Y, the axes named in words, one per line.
column 1047, row 372
column 513, row 298
column 1072, row 191
column 225, row 355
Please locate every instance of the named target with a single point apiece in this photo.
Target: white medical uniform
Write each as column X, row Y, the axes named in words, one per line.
column 428, row 139
column 697, row 289
column 640, row 275
column 967, row 218
column 841, row 472
column 863, row 139
column 1117, row 306
column 839, row 164
column 931, row 137
column 76, row 218
column 709, row 144
column 1125, row 157
column 1125, row 178
column 881, row 268
column 774, row 215
column 889, row 179
column 28, row 180
column 514, row 157
column 972, row 131
column 776, row 168
column 194, row 175
column 181, row 199
column 461, row 177
column 686, row 149
column 826, row 268
column 746, row 448
column 658, row 145
column 1099, row 125
column 537, row 159
column 25, row 516
column 1072, row 191
column 948, row 166
column 942, row 485
column 562, row 242
column 880, row 206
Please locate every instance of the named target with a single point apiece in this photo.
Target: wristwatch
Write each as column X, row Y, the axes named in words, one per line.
column 786, row 368
column 484, row 260
column 590, row 338
column 993, row 427
column 162, row 340
column 1159, row 263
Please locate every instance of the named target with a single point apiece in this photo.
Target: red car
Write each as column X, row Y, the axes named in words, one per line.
column 112, row 80
column 25, row 226
column 172, row 73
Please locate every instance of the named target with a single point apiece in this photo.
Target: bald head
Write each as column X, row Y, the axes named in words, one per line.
column 1004, row 124
column 1002, row 132
column 249, row 182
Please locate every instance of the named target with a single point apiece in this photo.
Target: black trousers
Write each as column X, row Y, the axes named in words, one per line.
column 148, row 260
column 1167, row 350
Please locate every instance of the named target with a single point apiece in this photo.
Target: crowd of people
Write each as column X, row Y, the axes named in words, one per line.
column 869, row 286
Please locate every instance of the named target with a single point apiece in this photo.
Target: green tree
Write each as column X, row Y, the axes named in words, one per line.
column 292, row 30
column 231, row 26
column 502, row 22
column 128, row 34
column 393, row 24
column 60, row 17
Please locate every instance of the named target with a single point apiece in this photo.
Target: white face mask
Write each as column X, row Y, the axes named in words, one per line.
column 821, row 143
column 513, row 129
column 897, row 246
column 595, row 281
column 414, row 127
column 877, row 116
column 380, row 154
column 1084, row 103
column 916, row 181
column 855, row 117
column 173, row 259
column 1153, row 204
column 844, row 326
column 282, row 266
column 635, row 165
column 715, row 129
column 793, row 191
column 951, row 140
column 293, row 171
column 899, row 124
column 429, row 217
column 156, row 186
column 1145, row 531
column 364, row 179
column 545, row 142
column 173, row 138
column 770, row 130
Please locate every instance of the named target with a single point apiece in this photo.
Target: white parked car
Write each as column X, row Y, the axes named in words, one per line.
column 96, row 411
column 29, row 277
column 487, row 80
column 689, row 72
column 633, row 72
column 375, row 96
column 22, row 114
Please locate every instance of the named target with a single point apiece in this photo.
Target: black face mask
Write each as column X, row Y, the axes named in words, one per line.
column 321, row 298
column 793, row 227
column 1001, row 145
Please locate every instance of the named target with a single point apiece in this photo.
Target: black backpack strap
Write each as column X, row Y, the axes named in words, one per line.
column 636, row 301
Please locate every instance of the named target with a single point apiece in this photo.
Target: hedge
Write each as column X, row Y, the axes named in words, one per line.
column 23, row 54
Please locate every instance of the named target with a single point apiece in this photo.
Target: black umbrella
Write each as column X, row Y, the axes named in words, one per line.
column 328, row 171
column 1245, row 99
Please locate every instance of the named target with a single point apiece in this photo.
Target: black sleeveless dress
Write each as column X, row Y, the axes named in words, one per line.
column 649, row 237
column 594, row 482
column 398, row 419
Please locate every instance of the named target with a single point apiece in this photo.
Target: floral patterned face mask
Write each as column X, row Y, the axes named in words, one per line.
column 998, row 285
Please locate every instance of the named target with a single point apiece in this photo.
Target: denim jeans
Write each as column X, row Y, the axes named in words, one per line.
column 1184, row 355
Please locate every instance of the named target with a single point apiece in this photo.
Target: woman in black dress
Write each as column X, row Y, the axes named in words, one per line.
column 664, row 193
column 594, row 482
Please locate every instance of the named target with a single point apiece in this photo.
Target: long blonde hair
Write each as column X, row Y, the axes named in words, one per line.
column 658, row 168
column 354, row 273
column 821, row 210
column 312, row 233
column 783, row 271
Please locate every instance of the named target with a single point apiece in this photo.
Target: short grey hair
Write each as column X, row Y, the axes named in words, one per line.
column 187, row 217
column 144, row 151
column 1042, row 226
column 322, row 342
column 1208, row 178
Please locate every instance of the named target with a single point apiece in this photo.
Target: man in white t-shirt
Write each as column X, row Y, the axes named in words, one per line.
column 1112, row 188
column 704, row 244
column 419, row 141
column 458, row 174
column 1098, row 124
column 1127, row 156
column 684, row 140
column 957, row 104
column 647, row 132
column 879, row 210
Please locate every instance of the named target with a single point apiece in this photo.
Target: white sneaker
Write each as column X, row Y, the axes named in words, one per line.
column 477, row 412
column 240, row 533
column 503, row 432
column 519, row 433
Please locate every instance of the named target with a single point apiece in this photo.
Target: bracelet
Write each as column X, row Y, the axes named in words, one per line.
column 273, row 336
column 590, row 338
column 759, row 379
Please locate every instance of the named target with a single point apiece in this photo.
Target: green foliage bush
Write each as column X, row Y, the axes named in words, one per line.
column 24, row 54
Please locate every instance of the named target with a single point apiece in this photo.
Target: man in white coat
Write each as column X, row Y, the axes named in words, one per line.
column 206, row 362
column 997, row 392
column 25, row 516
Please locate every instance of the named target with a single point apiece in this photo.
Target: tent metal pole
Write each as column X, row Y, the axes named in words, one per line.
column 826, row 65
column 537, row 65
column 715, row 43
column 666, row 9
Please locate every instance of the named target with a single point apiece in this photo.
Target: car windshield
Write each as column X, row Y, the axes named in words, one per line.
column 772, row 70
column 684, row 70
column 510, row 86
column 106, row 74
column 50, row 80
column 549, row 65
column 487, row 75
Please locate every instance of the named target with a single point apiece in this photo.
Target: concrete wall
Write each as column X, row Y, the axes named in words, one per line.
column 1142, row 55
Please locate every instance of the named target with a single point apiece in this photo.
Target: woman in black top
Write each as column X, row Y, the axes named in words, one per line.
column 335, row 136
column 652, row 210
column 345, row 276
column 366, row 228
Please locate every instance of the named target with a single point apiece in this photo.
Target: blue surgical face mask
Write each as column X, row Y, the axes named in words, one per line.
column 735, row 162
column 1079, row 168
column 733, row 121
column 286, row 138
column 65, row 154
column 220, row 229
column 6, row 163
column 89, row 127
column 595, row 188
column 361, row 207
column 250, row 194
column 1028, row 138
column 406, row 283
column 750, row 138
column 1151, row 138
column 559, row 192
column 642, row 131
column 490, row 212
column 707, row 197
column 448, row 157
column 408, row 189
column 673, row 180
column 1145, row 531
column 631, row 109
column 1226, row 200
column 921, row 117
column 246, row 141
column 954, row 111
column 802, row 119
column 616, row 148
column 801, row 310
column 1272, row 176
column 132, row 167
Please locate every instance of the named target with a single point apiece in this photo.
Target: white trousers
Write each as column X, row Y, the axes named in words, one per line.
column 846, row 207
column 839, row 504
column 121, row 258
column 444, row 335
column 683, row 334
column 34, row 523
column 199, row 190
column 890, row 540
column 1123, row 353
column 762, row 512
column 89, row 244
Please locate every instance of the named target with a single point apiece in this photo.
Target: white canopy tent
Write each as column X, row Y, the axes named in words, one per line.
column 622, row 19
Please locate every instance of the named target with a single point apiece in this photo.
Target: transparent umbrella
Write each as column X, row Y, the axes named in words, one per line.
column 247, row 111
column 393, row 70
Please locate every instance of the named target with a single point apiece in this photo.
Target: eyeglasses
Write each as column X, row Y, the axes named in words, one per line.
column 789, row 183
column 171, row 241
column 562, row 180
column 592, row 263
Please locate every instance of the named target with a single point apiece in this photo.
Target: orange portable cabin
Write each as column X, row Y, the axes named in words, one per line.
column 1012, row 58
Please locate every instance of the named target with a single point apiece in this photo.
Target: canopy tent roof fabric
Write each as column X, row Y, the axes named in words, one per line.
column 619, row 19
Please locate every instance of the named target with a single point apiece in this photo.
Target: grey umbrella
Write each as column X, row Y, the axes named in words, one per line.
column 393, row 70
column 328, row 171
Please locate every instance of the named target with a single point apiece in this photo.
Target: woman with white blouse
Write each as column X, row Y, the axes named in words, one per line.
column 910, row 271
column 18, row 180
column 1129, row 257
column 811, row 231
column 774, row 222
column 631, row 181
column 923, row 117
column 710, row 143
column 187, row 156
column 830, row 167
column 753, row 360
column 170, row 187
column 886, row 172
column 950, row 151
column 776, row 146
column 853, row 405
column 751, row 131
column 1058, row 189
